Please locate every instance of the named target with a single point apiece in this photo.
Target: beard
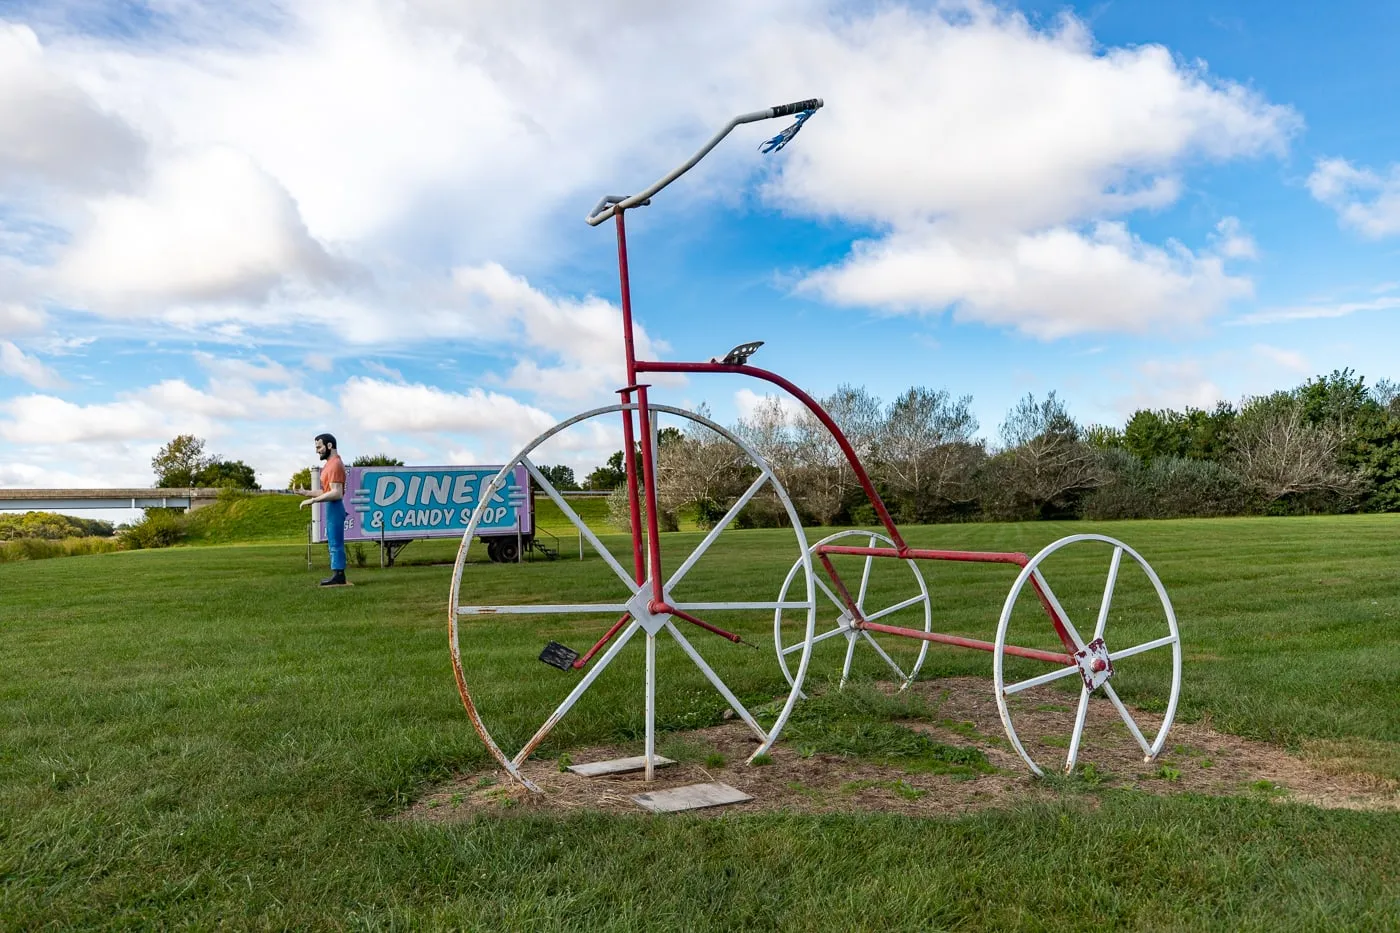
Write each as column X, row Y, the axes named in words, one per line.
column 326, row 454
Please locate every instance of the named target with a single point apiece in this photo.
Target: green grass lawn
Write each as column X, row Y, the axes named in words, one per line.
column 201, row 736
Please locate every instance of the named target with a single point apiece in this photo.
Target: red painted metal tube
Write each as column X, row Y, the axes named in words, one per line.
column 1055, row 621
column 625, row 283
column 634, row 512
column 981, row 557
column 672, row 610
column 649, row 490
column 643, row 366
column 1032, row 653
column 840, row 585
column 587, row 656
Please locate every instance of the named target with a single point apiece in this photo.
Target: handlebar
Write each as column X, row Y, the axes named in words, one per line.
column 610, row 204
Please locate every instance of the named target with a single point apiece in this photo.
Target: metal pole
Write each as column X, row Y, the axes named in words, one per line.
column 651, row 707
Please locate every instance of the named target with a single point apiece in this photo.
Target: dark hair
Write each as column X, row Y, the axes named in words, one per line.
column 327, row 439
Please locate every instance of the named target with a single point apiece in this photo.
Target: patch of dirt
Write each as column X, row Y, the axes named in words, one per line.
column 1195, row 759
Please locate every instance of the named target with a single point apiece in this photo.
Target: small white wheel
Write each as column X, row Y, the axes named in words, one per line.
column 523, row 717
column 1134, row 626
column 884, row 594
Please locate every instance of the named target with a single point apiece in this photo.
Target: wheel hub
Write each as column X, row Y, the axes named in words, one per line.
column 640, row 608
column 1095, row 666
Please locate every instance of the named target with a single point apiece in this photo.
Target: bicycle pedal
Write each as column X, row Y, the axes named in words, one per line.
column 560, row 656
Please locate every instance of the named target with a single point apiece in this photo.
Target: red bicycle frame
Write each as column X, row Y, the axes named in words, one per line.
column 648, row 563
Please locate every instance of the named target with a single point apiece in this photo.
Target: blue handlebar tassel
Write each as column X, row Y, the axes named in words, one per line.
column 785, row 137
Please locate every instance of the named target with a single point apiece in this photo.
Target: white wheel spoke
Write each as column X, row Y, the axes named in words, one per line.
column 1059, row 610
column 1128, row 719
column 1108, row 592
column 724, row 691
column 865, row 576
column 846, row 665
column 542, row 609
column 821, row 585
column 822, row 637
column 888, row 660
column 714, row 534
column 1041, row 680
column 583, row 529
column 911, row 601
column 1079, row 717
column 577, row 692
column 1139, row 649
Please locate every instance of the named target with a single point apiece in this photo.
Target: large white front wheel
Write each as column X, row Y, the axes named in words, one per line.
column 1125, row 676
column 499, row 616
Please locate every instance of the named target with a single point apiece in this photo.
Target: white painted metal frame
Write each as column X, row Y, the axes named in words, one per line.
column 1172, row 638
column 635, row 603
column 843, row 619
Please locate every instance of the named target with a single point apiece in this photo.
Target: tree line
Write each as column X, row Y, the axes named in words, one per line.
column 1331, row 444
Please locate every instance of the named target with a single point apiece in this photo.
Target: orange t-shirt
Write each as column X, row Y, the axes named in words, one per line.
column 332, row 472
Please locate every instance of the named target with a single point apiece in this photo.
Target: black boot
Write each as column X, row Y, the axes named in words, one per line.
column 337, row 578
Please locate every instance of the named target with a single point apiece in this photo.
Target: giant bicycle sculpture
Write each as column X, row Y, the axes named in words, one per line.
column 815, row 588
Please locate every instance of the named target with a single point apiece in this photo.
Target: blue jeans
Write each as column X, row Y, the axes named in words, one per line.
column 335, row 533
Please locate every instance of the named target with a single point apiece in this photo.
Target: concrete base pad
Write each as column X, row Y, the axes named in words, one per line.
column 619, row 765
column 690, row 797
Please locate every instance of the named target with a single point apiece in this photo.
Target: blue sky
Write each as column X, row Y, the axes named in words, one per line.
column 366, row 217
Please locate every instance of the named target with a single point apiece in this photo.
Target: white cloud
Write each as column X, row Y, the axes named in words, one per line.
column 579, row 340
column 1363, row 199
column 1231, row 242
column 992, row 155
column 46, row 419
column 15, row 362
column 17, row 319
column 1050, row 283
column 747, row 402
column 1290, row 360
column 383, row 116
column 968, row 111
column 156, row 412
column 376, row 405
column 382, row 370
column 963, row 117
column 53, row 470
column 211, row 226
column 262, row 370
column 318, row 362
column 1175, row 384
column 53, row 131
column 1321, row 310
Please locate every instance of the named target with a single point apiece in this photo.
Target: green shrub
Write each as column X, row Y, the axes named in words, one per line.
column 159, row 528
column 1166, row 487
column 43, row 548
column 51, row 525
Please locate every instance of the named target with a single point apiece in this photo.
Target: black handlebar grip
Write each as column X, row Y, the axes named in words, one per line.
column 783, row 110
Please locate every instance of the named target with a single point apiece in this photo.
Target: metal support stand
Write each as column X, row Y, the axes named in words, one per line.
column 651, row 707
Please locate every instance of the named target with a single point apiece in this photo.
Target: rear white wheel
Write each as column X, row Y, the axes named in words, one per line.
column 886, row 590
column 1134, row 643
